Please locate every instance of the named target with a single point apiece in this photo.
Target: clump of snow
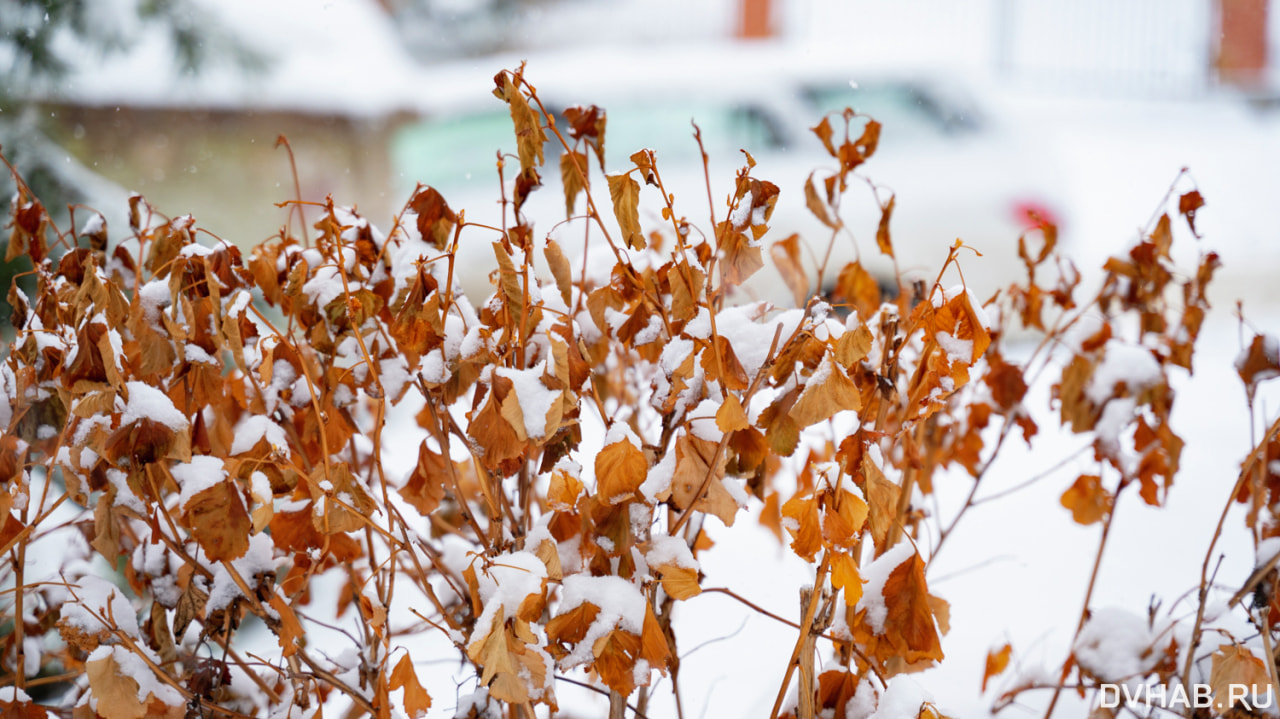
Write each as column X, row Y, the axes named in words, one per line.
column 742, row 213
column 875, row 576
column 133, row 666
column 13, row 694
column 658, row 480
column 534, row 397
column 252, row 428
column 194, row 477
column 258, row 560
column 505, row 583
column 957, row 350
column 668, row 550
column 902, row 698
column 702, row 421
column 99, row 603
column 1123, row 362
column 622, row 431
column 1116, row 644
column 1267, row 550
column 147, row 402
column 620, row 602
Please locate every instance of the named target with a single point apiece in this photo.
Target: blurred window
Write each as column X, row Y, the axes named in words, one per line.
column 663, row 125
column 902, row 108
column 452, row 151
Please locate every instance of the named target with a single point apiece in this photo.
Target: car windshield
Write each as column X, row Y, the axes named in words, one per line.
column 454, row 151
column 664, row 126
column 902, row 108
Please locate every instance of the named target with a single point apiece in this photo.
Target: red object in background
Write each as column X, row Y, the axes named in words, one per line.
column 1242, row 41
column 755, row 20
column 1030, row 214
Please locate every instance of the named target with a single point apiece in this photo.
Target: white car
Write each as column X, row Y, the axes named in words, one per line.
column 954, row 169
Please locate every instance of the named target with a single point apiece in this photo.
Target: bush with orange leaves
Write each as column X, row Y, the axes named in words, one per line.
column 196, row 438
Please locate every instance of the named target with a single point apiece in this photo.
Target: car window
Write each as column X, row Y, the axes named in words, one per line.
column 452, row 151
column 663, row 125
column 902, row 108
column 455, row 151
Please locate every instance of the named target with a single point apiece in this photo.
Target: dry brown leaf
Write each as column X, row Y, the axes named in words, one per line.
column 909, row 624
column 882, row 230
column 616, row 654
column 679, row 582
column 1087, row 499
column 116, row 692
column 844, row 575
column 731, row 416
column 573, row 167
column 997, row 662
column 827, row 392
column 858, row 289
column 219, row 522
column 620, row 470
column 853, row 346
column 560, row 270
column 882, row 502
column 786, row 257
column 693, row 463
column 1235, row 667
column 804, row 526
column 416, row 699
column 625, row 193
column 817, row 206
column 426, row 484
column 740, row 255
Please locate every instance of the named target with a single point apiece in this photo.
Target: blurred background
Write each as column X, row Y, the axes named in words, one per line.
column 1083, row 111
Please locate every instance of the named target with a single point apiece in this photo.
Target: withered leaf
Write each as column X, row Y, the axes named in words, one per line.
column 588, row 123
column 882, row 503
column 805, row 527
column 1234, row 667
column 997, row 662
column 491, row 431
column 117, row 692
column 416, row 699
column 345, row 503
column 1087, row 499
column 1259, row 363
column 219, row 522
column 740, row 255
column 909, row 625
column 827, row 392
column 817, row 206
column 560, row 270
column 786, row 257
column 679, row 582
column 435, row 219
column 1188, row 205
column 616, row 654
column 731, row 416
column 625, row 193
column 882, row 230
column 721, row 363
column 844, row 575
column 858, row 289
column 426, row 485
column 530, row 136
column 693, row 467
column 620, row 470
